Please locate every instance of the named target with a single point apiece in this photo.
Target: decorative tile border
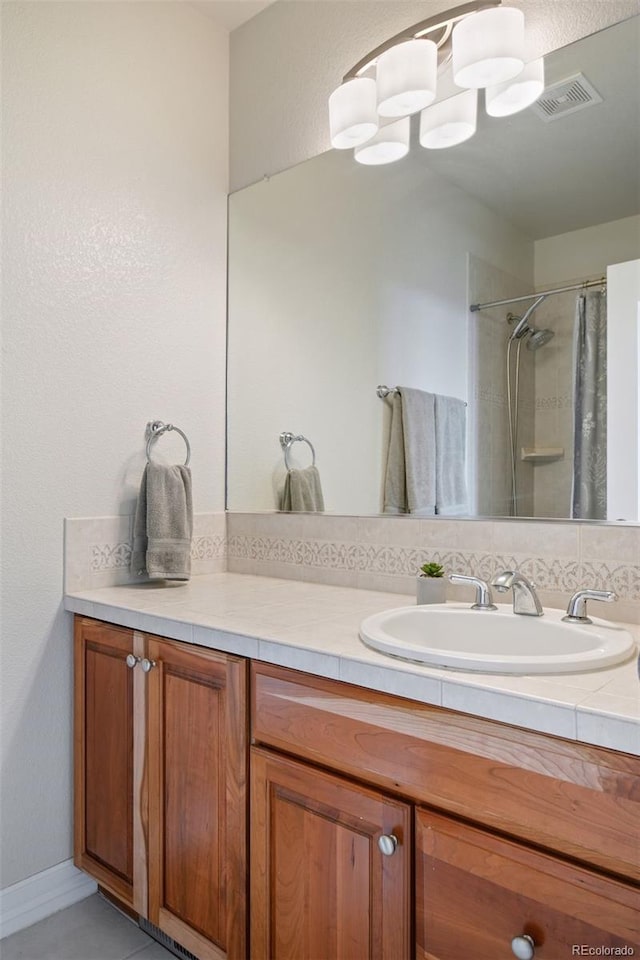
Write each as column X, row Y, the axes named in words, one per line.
column 209, row 548
column 550, row 574
column 563, row 402
column 98, row 550
column 106, row 556
column 341, row 549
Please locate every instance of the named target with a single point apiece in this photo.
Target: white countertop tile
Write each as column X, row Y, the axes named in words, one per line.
column 314, row 628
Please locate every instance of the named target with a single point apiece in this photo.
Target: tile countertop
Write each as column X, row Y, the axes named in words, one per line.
column 314, row 628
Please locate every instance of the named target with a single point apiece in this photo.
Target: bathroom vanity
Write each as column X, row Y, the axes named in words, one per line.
column 249, row 809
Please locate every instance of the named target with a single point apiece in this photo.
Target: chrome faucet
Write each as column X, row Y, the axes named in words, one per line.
column 577, row 609
column 525, row 598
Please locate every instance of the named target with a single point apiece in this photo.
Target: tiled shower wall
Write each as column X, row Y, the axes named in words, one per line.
column 489, row 454
column 381, row 553
column 554, row 405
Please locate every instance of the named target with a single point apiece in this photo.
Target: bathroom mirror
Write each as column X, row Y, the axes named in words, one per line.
column 344, row 277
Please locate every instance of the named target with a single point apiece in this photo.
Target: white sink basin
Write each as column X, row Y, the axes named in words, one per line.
column 452, row 635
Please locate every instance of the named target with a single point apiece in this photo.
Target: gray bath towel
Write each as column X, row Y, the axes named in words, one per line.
column 451, row 442
column 410, row 479
column 302, row 491
column 163, row 524
column 395, row 481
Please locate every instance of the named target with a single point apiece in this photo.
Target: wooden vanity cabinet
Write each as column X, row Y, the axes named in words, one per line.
column 160, row 783
column 517, row 834
column 476, row 892
column 320, row 885
column 104, row 807
column 381, row 828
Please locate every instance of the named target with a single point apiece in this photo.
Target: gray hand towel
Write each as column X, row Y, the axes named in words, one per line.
column 302, row 491
column 451, row 441
column 410, row 480
column 395, row 481
column 163, row 524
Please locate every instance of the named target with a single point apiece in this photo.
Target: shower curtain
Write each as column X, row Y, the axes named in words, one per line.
column 589, row 494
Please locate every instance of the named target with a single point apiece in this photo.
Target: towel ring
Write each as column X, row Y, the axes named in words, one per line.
column 156, row 428
column 286, row 441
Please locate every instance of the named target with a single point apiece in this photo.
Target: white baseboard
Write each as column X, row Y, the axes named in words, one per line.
column 39, row 896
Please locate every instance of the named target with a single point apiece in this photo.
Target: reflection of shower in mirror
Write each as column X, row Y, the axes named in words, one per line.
column 534, row 339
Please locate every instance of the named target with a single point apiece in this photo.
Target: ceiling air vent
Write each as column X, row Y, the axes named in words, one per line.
column 566, row 97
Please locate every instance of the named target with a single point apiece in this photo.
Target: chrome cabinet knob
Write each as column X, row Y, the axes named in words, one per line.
column 147, row 664
column 523, row 947
column 388, row 843
column 132, row 660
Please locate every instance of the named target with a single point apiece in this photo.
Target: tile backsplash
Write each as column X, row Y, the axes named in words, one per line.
column 384, row 553
column 381, row 553
column 98, row 549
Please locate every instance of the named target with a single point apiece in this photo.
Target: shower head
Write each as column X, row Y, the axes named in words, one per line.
column 522, row 325
column 538, row 338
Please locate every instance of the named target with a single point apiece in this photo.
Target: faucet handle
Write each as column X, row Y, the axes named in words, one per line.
column 484, row 600
column 577, row 608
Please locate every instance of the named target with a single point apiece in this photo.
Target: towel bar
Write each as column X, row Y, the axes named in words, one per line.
column 155, row 429
column 383, row 391
column 286, row 441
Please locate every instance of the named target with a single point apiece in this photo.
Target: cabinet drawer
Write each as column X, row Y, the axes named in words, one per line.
column 476, row 892
column 570, row 797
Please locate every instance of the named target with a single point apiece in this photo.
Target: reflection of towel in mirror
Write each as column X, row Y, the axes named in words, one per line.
column 163, row 524
column 302, row 491
column 451, row 439
column 410, row 479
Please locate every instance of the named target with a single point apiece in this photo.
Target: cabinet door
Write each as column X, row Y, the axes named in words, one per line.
column 197, row 798
column 104, row 748
column 320, row 887
column 476, row 892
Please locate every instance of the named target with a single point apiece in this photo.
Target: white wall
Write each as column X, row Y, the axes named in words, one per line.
column 115, row 130
column 286, row 61
column 585, row 254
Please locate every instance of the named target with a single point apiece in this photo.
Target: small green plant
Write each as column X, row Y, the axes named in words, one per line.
column 431, row 570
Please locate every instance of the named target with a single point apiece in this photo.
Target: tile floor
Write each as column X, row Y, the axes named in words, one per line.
column 89, row 930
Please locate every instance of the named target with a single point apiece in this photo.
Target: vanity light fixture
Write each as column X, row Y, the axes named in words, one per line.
column 406, row 78
column 449, row 122
column 353, row 117
column 390, row 143
column 505, row 99
column 485, row 43
column 488, row 47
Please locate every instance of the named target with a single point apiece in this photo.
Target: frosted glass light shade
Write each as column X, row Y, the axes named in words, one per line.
column 353, row 117
column 488, row 47
column 503, row 99
column 390, row 143
column 406, row 78
column 449, row 122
